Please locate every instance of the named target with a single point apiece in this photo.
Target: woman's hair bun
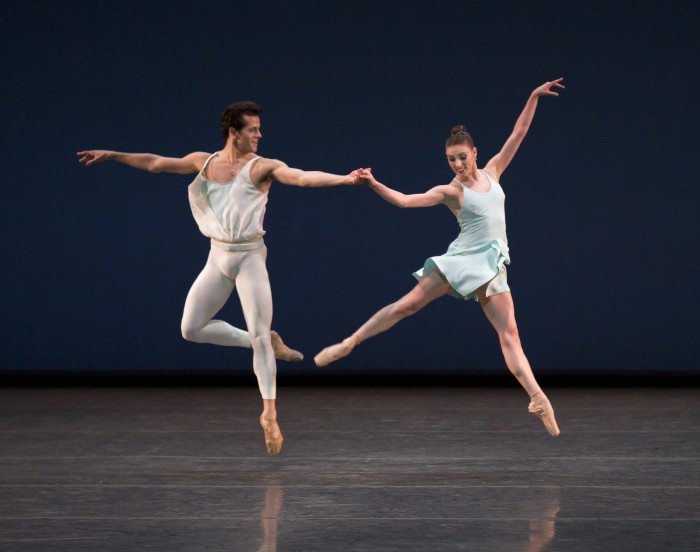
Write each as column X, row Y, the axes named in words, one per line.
column 459, row 135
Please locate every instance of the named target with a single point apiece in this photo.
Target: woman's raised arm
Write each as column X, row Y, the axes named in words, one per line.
column 503, row 158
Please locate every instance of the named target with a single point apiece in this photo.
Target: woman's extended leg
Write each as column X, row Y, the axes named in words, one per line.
column 500, row 311
column 432, row 286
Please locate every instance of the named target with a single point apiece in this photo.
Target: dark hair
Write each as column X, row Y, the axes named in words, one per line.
column 459, row 135
column 232, row 117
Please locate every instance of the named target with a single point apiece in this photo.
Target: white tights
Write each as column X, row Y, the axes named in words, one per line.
column 246, row 271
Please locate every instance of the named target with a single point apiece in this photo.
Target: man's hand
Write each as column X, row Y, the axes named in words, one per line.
column 353, row 177
column 90, row 157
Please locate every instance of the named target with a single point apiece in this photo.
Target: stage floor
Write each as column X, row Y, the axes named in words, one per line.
column 362, row 468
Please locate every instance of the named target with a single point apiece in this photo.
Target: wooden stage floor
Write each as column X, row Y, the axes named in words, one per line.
column 362, row 468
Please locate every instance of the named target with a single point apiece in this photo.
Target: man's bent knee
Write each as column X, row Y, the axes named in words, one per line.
column 260, row 339
column 190, row 334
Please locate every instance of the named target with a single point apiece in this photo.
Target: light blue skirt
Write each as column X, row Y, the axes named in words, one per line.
column 467, row 271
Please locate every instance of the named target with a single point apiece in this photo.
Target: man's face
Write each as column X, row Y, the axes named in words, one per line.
column 247, row 138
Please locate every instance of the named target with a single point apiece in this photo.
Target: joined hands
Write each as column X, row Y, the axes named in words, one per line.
column 361, row 176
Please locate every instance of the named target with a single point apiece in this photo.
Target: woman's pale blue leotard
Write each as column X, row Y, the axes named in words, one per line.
column 480, row 252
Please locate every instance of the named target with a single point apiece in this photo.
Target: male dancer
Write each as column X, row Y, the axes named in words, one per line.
column 228, row 199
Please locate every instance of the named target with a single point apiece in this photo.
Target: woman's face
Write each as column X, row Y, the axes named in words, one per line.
column 462, row 159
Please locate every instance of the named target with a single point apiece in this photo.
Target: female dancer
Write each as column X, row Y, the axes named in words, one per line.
column 474, row 265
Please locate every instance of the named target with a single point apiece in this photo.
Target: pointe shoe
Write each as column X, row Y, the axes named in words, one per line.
column 543, row 410
column 282, row 352
column 272, row 444
column 336, row 352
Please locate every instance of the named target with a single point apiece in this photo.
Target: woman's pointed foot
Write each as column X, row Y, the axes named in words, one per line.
column 541, row 407
column 273, row 436
column 282, row 352
column 337, row 351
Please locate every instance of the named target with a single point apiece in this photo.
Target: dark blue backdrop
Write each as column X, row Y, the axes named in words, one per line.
column 601, row 199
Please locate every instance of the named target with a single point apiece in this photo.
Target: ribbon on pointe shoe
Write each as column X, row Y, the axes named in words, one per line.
column 337, row 351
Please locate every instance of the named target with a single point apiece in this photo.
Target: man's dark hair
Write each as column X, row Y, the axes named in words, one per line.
column 232, row 117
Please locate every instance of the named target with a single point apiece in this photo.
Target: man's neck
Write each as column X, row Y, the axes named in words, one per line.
column 234, row 155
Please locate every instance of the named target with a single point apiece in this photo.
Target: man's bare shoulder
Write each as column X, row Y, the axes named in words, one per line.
column 264, row 167
column 269, row 163
column 197, row 158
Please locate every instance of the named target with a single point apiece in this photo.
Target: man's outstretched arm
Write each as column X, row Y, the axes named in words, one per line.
column 150, row 162
column 272, row 169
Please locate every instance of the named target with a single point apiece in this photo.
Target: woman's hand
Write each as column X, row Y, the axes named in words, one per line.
column 546, row 88
column 366, row 176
